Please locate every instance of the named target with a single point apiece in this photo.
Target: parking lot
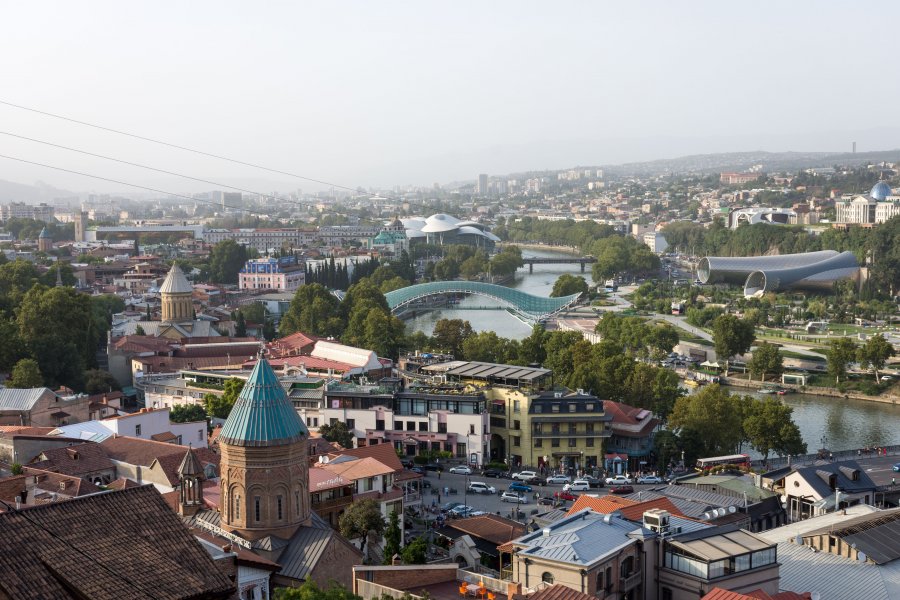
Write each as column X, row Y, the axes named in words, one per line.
column 492, row 502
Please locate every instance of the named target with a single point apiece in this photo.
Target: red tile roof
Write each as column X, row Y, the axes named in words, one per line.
column 559, row 592
column 493, row 528
column 383, row 453
column 718, row 593
column 136, row 451
column 629, row 509
column 78, row 460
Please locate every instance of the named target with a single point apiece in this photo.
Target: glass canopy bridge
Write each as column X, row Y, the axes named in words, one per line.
column 525, row 307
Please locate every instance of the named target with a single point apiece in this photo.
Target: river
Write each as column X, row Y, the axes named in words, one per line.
column 844, row 424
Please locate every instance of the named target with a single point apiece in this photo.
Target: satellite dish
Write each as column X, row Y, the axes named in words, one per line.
column 732, row 509
column 706, row 516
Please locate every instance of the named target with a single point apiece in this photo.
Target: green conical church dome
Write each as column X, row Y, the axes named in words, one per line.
column 263, row 415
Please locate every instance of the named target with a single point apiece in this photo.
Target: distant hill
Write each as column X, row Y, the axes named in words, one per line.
column 31, row 194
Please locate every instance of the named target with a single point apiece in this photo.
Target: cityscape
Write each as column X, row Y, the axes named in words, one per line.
column 648, row 355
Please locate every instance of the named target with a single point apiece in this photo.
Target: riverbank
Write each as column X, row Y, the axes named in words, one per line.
column 886, row 398
column 531, row 246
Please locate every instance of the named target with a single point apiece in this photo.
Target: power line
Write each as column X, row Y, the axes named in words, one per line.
column 149, row 168
column 177, row 146
column 135, row 185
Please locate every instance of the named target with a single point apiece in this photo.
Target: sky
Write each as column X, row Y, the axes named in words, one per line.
column 413, row 93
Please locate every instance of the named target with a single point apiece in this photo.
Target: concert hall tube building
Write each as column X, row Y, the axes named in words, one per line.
column 815, row 271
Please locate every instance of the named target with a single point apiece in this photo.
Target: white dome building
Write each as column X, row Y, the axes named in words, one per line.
column 443, row 229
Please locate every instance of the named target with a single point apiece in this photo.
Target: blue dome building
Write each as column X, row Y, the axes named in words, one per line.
column 880, row 191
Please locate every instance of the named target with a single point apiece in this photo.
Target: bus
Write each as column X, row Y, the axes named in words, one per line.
column 738, row 460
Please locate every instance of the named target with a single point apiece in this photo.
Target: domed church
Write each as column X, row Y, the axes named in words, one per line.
column 177, row 305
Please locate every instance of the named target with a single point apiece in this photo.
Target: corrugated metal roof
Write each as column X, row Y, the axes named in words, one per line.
column 15, row 399
column 835, row 577
column 305, row 549
column 262, row 415
column 580, row 539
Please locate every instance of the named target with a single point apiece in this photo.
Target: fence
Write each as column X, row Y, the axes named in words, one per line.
column 368, row 590
column 494, row 584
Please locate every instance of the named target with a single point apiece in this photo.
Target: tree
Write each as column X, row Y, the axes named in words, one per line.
column 713, row 418
column 416, row 552
column 770, row 428
column 240, row 325
column 310, row 591
column 392, row 537
column 666, row 446
column 26, row 374
column 225, row 261
column 187, row 413
column 567, row 284
column 314, row 310
column 220, row 406
column 766, row 359
column 732, row 336
column 874, row 353
column 363, row 521
column 841, row 352
column 139, row 331
column 337, row 432
column 98, row 382
column 449, row 334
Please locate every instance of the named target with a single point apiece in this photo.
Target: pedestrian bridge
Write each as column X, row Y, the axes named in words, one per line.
column 528, row 308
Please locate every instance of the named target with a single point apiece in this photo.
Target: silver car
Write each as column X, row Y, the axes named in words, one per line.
column 559, row 479
column 513, row 497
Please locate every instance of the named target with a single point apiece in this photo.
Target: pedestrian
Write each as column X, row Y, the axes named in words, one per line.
column 433, row 503
column 439, row 473
column 439, row 497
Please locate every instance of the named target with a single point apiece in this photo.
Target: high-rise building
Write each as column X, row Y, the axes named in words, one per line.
column 482, row 185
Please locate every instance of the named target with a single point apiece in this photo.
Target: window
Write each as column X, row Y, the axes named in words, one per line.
column 538, row 409
column 572, row 442
column 442, row 428
column 379, row 424
column 471, row 429
column 589, row 442
column 599, row 581
column 547, row 577
column 589, row 407
column 555, row 408
column 137, row 430
column 572, row 428
column 237, row 507
column 423, row 426
column 537, row 428
column 278, row 503
column 410, row 425
column 517, row 441
column 351, row 423
column 297, row 502
column 460, row 450
column 516, row 405
column 517, row 425
column 555, row 428
column 572, row 407
column 555, row 443
column 667, row 593
column 199, row 435
column 256, row 513
column 332, row 421
column 398, row 425
column 589, row 428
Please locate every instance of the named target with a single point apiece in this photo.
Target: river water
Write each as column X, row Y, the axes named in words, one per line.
column 844, row 424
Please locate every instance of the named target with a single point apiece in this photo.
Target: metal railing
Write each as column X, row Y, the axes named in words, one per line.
column 368, row 590
column 494, row 584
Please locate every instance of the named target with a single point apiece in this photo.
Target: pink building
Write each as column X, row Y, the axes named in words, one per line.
column 282, row 274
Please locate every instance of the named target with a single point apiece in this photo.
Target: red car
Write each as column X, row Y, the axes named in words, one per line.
column 622, row 489
column 565, row 496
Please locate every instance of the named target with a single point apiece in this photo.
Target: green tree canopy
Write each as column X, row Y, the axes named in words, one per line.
column 225, row 261
column 449, row 334
column 732, row 336
column 26, row 374
column 567, row 284
column 97, row 381
column 313, row 310
column 392, row 537
column 362, row 521
column 713, row 418
column 875, row 353
column 187, row 413
column 220, row 406
column 415, row 552
column 766, row 360
column 337, row 432
column 769, row 427
column 310, row 591
column 841, row 352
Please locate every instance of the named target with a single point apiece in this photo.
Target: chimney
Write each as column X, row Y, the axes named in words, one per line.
column 396, row 560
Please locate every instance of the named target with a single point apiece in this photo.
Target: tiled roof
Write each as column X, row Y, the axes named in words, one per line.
column 357, row 468
column 628, row 420
column 559, row 592
column 136, row 451
column 176, row 282
column 190, row 464
column 78, row 460
column 493, row 528
column 383, row 453
column 121, row 484
column 11, row 488
column 74, row 549
column 262, row 414
column 604, row 505
column 67, row 485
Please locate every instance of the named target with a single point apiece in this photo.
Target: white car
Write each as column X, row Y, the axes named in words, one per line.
column 462, row 470
column 525, row 475
column 513, row 497
column 462, row 510
column 618, row 480
column 579, row 485
column 559, row 479
column 479, row 487
column 649, row 479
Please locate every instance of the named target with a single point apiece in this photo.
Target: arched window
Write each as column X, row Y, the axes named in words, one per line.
column 237, row 507
column 547, row 577
column 599, row 581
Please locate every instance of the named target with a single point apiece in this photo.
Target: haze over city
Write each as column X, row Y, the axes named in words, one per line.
column 396, row 93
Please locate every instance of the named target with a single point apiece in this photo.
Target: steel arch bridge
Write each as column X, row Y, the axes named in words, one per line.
column 526, row 307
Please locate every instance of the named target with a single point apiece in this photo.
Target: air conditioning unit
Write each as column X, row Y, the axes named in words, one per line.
column 657, row 520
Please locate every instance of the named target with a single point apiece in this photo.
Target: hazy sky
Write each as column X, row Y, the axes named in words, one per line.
column 382, row 92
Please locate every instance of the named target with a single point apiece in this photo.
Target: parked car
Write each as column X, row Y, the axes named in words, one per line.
column 513, row 497
column 579, row 485
column 617, row 480
column 461, row 470
column 525, row 475
column 479, row 487
column 649, row 479
column 493, row 473
column 545, row 501
column 448, row 506
column 564, row 495
column 432, row 467
column 462, row 510
column 595, row 483
column 518, row 486
column 537, row 481
column 408, row 464
column 559, row 479
column 621, row 489
column 418, row 470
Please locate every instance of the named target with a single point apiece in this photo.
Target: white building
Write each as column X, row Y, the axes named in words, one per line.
column 147, row 424
column 655, row 241
column 282, row 274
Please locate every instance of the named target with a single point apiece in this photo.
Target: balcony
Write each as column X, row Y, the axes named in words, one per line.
column 498, row 422
column 328, row 505
column 630, row 582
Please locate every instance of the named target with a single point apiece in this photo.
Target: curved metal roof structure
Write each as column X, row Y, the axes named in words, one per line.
column 176, row 282
column 529, row 308
column 819, row 276
column 880, row 191
column 726, row 269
